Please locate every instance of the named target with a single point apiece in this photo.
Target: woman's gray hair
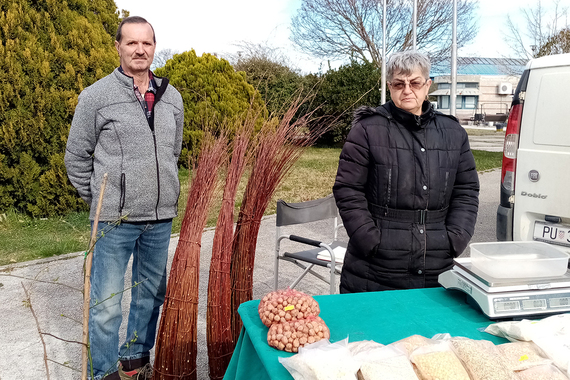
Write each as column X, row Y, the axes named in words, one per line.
column 406, row 62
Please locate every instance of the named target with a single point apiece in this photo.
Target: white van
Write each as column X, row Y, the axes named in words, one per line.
column 535, row 178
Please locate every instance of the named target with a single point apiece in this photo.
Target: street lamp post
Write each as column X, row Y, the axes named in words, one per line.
column 453, row 91
column 383, row 95
column 414, row 25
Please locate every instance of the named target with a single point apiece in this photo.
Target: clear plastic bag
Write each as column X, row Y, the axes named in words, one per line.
column 322, row 361
column 378, row 362
column 409, row 344
column 520, row 356
column 551, row 334
column 482, row 359
column 437, row 361
column 542, row 372
column 527, row 330
column 557, row 348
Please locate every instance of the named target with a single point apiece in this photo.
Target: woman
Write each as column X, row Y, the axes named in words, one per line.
column 406, row 187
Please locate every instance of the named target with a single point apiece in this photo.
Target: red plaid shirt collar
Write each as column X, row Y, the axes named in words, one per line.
column 147, row 102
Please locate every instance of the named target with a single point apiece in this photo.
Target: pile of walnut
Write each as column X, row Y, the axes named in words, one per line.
column 292, row 318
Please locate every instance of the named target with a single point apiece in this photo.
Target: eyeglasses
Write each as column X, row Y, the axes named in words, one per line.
column 414, row 85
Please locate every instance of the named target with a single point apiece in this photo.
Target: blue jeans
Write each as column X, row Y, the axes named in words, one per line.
column 148, row 243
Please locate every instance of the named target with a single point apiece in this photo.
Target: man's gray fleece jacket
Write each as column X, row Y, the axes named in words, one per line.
column 110, row 134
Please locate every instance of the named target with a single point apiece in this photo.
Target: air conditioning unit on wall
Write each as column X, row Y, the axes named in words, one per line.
column 505, row 89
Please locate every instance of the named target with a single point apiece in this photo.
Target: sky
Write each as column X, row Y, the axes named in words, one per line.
column 217, row 26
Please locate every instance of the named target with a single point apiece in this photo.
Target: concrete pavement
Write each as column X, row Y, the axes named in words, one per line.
column 492, row 142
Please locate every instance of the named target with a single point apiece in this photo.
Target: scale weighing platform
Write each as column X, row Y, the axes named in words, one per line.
column 509, row 298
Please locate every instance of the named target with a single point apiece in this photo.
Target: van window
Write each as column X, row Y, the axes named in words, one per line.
column 552, row 118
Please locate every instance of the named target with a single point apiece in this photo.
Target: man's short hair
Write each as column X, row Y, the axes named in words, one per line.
column 406, row 62
column 133, row 20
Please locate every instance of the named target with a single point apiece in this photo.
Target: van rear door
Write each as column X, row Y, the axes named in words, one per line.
column 542, row 182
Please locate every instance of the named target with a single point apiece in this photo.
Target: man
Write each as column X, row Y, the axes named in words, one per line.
column 128, row 125
column 406, row 187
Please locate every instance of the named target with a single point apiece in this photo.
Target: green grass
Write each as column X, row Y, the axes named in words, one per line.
column 23, row 238
column 486, row 161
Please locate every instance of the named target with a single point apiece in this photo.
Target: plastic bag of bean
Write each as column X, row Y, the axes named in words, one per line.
column 522, row 355
column 322, row 361
column 436, row 361
column 289, row 336
column 286, row 305
column 482, row 359
column 378, row 362
column 542, row 372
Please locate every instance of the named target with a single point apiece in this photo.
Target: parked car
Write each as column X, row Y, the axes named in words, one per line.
column 535, row 178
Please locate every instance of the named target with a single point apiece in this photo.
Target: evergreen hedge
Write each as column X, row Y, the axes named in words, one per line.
column 340, row 93
column 50, row 50
column 214, row 96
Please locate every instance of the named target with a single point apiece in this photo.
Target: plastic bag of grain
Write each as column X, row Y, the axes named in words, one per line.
column 378, row 362
column 482, row 359
column 409, row 344
column 522, row 355
column 290, row 336
column 557, row 348
column 286, row 305
column 542, row 372
column 322, row 361
column 437, row 361
column 527, row 330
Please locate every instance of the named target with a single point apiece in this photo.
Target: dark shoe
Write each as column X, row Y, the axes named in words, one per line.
column 143, row 373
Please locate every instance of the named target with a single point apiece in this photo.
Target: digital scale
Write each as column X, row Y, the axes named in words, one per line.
column 509, row 298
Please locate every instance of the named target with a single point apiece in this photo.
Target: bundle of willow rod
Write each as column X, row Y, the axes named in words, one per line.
column 177, row 336
column 275, row 153
column 218, row 333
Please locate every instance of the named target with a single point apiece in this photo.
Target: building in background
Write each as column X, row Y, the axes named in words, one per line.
column 485, row 88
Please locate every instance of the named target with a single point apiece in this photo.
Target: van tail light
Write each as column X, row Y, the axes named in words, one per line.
column 510, row 147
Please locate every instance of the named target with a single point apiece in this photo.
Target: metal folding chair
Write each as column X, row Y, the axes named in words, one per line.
column 289, row 214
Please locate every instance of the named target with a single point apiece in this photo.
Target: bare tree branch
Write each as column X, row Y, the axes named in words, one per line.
column 36, row 280
column 161, row 57
column 29, row 303
column 543, row 24
column 340, row 29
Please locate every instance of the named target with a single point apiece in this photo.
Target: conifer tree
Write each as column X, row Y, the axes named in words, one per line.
column 50, row 50
column 214, row 94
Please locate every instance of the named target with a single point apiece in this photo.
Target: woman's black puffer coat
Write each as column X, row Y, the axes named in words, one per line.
column 407, row 191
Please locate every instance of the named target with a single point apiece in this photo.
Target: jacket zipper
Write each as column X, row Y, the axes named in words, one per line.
column 389, row 190
column 445, row 189
column 157, row 174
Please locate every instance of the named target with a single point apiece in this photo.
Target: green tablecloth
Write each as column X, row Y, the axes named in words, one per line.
column 383, row 317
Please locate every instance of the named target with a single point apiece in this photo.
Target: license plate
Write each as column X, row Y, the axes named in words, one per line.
column 552, row 233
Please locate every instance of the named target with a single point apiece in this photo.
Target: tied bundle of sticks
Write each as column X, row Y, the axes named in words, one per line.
column 277, row 149
column 218, row 335
column 176, row 346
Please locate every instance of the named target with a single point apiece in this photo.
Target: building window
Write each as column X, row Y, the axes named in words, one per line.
column 470, row 102
column 461, row 102
column 447, row 86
